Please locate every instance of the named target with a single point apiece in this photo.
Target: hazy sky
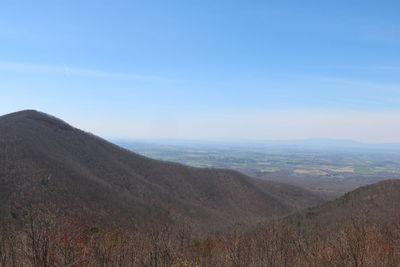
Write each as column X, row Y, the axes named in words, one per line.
column 206, row 69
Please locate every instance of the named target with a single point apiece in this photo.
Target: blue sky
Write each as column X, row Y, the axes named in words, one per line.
column 206, row 69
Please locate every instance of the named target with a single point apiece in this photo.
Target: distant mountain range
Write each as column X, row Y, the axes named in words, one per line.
column 313, row 143
column 47, row 163
column 336, row 143
column 100, row 202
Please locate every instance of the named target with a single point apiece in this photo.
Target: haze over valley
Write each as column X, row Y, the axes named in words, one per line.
column 199, row 133
column 327, row 167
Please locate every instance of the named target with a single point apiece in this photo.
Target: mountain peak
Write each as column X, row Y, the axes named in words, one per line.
column 26, row 112
column 31, row 115
column 29, row 112
column 94, row 180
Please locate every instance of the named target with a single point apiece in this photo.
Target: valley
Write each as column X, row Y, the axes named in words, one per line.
column 328, row 171
column 199, row 133
column 70, row 198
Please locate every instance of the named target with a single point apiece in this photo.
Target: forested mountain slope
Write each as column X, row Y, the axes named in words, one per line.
column 46, row 162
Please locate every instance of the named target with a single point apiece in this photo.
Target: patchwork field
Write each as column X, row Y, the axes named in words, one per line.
column 257, row 161
column 329, row 173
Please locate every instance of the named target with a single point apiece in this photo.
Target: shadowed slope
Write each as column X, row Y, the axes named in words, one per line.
column 379, row 201
column 45, row 160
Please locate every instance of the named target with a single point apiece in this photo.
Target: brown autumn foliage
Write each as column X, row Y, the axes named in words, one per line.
column 48, row 241
column 39, row 238
column 86, row 177
column 68, row 198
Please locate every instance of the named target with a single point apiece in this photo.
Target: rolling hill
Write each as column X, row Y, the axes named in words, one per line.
column 48, row 163
column 378, row 201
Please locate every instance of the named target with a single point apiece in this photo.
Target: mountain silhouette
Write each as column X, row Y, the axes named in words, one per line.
column 47, row 163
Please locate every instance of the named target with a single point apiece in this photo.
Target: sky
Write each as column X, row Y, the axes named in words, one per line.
column 262, row 70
